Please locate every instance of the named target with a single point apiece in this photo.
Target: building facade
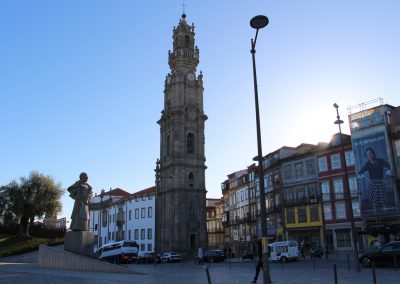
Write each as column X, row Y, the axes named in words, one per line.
column 334, row 192
column 215, row 208
column 303, row 221
column 118, row 215
column 181, row 200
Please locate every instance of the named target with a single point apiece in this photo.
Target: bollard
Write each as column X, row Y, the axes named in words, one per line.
column 373, row 273
column 348, row 262
column 282, row 263
column 335, row 274
column 395, row 260
column 313, row 262
column 208, row 275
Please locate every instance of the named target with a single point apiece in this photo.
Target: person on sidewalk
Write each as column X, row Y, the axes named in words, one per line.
column 200, row 255
column 302, row 249
column 259, row 266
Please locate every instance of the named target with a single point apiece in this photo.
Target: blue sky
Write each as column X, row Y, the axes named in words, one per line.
column 81, row 82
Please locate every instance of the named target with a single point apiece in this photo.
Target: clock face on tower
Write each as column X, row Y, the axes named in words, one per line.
column 190, row 76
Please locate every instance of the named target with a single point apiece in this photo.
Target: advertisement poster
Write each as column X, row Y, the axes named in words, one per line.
column 375, row 175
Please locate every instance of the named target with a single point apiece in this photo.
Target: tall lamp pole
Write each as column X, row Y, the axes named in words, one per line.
column 259, row 22
column 347, row 192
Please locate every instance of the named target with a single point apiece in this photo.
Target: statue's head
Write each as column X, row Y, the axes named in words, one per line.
column 83, row 177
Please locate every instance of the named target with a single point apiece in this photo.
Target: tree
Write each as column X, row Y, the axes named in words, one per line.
column 35, row 196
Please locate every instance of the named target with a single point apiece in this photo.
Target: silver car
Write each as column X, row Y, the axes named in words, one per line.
column 171, row 257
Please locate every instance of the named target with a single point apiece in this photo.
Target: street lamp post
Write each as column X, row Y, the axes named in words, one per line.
column 259, row 22
column 347, row 192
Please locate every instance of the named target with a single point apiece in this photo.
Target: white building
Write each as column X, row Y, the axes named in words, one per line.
column 124, row 216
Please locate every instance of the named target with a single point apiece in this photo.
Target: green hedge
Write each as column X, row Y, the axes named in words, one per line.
column 18, row 244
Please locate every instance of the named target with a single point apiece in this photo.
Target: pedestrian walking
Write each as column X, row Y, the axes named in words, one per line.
column 200, row 255
column 302, row 249
column 259, row 266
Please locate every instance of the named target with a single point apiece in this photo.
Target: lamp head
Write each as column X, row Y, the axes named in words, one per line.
column 259, row 22
column 335, row 105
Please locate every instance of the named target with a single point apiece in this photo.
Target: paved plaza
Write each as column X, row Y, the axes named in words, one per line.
column 236, row 271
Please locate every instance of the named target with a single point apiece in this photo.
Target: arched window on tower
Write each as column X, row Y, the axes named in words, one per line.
column 191, row 179
column 190, row 143
column 186, row 41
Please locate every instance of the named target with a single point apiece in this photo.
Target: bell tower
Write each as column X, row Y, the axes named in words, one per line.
column 181, row 192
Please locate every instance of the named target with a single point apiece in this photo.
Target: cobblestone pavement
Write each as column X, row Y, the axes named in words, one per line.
column 298, row 272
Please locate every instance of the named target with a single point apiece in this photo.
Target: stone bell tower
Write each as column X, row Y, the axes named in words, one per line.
column 181, row 192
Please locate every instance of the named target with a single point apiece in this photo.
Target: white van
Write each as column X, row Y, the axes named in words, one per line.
column 118, row 252
column 283, row 251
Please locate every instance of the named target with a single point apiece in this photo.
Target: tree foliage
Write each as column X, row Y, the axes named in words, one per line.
column 32, row 197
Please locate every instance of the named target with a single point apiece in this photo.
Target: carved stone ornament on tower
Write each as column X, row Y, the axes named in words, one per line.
column 181, row 200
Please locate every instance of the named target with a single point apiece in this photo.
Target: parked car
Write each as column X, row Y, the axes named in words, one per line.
column 247, row 255
column 170, row 257
column 118, row 252
column 156, row 257
column 387, row 255
column 145, row 257
column 214, row 255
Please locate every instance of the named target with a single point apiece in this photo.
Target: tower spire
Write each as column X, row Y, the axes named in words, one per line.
column 183, row 7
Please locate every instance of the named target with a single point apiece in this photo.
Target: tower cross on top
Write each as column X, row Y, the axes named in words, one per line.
column 183, row 7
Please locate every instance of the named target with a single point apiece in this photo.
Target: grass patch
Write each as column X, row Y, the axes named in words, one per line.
column 21, row 244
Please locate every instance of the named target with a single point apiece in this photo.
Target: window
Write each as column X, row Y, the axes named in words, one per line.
column 149, row 234
column 150, row 212
column 186, row 41
column 289, row 195
column 335, row 162
column 142, row 234
column 143, row 213
column 149, row 247
column 298, row 167
column 302, row 212
column 355, row 204
column 142, row 247
column 136, row 234
column 287, row 171
column 291, row 219
column 328, row 211
column 129, row 235
column 349, row 155
column 325, row 190
column 191, row 179
column 143, row 197
column 137, row 213
column 322, row 164
column 343, row 238
column 338, row 188
column 130, row 214
column 353, row 186
column 301, row 194
column 314, row 213
column 310, row 167
column 340, row 210
column 190, row 143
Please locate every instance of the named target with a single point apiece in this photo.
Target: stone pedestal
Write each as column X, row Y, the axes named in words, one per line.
column 79, row 242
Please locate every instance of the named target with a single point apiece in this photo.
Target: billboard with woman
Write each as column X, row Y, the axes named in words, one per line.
column 375, row 177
